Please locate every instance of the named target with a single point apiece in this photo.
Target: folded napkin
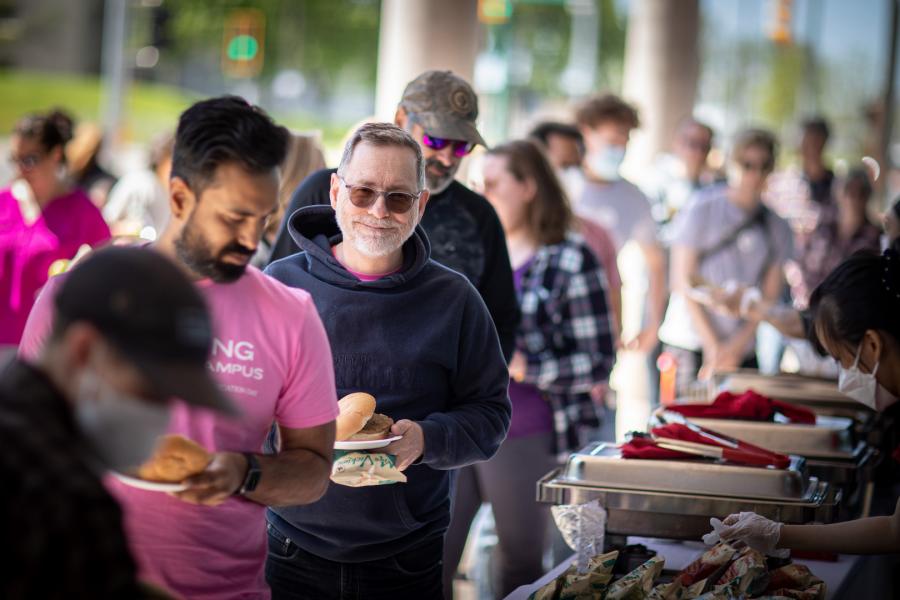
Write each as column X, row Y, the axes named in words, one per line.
column 748, row 406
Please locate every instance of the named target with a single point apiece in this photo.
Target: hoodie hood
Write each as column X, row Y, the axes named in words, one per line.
column 315, row 230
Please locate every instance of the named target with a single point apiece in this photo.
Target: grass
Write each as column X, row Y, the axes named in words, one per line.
column 150, row 108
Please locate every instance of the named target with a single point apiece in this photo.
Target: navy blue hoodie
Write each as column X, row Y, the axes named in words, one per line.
column 423, row 343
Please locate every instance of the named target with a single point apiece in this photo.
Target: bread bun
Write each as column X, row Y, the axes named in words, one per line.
column 377, row 428
column 175, row 459
column 356, row 410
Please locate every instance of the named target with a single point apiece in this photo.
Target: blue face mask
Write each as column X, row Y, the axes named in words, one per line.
column 605, row 163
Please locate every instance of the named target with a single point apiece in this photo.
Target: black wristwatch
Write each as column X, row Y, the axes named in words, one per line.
column 254, row 473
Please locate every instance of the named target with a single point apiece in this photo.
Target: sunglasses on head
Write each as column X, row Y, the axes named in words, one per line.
column 364, row 197
column 460, row 147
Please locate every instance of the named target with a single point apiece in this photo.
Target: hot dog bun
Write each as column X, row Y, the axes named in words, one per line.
column 175, row 459
column 356, row 410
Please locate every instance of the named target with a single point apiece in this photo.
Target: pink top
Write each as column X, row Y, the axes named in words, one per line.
column 357, row 274
column 272, row 355
column 28, row 250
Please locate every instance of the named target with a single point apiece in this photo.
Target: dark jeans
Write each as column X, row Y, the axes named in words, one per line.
column 294, row 574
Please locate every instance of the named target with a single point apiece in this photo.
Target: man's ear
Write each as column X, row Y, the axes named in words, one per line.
column 423, row 200
column 181, row 198
column 76, row 343
column 334, row 190
column 401, row 117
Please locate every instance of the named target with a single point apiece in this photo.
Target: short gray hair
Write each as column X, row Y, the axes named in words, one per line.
column 384, row 134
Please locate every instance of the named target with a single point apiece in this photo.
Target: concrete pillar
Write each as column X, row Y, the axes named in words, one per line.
column 417, row 35
column 662, row 68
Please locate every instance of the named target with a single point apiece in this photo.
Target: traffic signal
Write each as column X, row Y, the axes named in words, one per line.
column 494, row 12
column 243, row 43
column 780, row 32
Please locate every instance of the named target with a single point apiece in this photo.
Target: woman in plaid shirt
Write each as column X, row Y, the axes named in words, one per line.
column 564, row 347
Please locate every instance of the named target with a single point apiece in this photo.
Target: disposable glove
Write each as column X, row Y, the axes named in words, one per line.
column 758, row 532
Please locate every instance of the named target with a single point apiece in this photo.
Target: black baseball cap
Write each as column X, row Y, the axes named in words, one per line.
column 146, row 307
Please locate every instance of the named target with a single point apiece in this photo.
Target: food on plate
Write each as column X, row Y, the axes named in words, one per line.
column 358, row 420
column 175, row 459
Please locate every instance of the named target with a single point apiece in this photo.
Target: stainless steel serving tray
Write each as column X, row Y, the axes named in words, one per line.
column 601, row 464
column 682, row 516
column 785, row 386
column 830, row 437
column 640, row 496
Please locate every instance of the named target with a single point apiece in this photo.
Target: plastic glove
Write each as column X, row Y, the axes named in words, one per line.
column 758, row 532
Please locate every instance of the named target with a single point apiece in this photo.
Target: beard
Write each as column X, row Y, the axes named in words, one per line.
column 195, row 252
column 438, row 176
column 388, row 236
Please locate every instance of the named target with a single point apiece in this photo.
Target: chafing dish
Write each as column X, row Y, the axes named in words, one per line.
column 832, row 452
column 821, row 395
column 676, row 498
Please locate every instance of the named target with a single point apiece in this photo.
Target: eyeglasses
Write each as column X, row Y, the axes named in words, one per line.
column 396, row 202
column 26, row 162
column 460, row 147
column 754, row 166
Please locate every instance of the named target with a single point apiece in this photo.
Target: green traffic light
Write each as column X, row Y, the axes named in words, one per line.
column 243, row 47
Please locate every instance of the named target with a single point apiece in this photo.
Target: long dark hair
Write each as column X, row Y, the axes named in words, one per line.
column 862, row 293
column 549, row 216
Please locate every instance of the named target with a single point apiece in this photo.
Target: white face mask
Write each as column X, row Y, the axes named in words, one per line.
column 605, row 163
column 862, row 387
column 121, row 429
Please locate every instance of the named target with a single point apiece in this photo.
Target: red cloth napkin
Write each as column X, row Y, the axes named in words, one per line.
column 748, row 406
column 641, row 447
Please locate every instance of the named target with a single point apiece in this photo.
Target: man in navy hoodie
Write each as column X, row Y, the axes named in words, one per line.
column 418, row 337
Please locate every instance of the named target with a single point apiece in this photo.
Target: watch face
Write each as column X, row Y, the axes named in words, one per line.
column 251, row 480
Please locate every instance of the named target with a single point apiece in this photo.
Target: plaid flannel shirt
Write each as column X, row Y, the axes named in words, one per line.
column 565, row 334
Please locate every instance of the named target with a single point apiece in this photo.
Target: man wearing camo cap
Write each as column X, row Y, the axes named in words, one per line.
column 439, row 110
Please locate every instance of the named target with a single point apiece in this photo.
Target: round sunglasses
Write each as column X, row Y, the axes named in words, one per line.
column 362, row 196
column 460, row 147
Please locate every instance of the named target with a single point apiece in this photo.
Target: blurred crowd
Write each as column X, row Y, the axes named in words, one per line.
column 527, row 291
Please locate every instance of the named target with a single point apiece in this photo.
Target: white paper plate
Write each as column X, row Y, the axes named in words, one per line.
column 365, row 444
column 151, row 486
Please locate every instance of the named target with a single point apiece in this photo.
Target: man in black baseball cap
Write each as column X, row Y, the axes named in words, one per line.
column 128, row 332
column 439, row 109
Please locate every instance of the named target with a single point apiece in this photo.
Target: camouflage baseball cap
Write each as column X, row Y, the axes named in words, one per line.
column 444, row 104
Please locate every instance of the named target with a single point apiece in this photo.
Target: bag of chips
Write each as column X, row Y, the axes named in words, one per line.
column 359, row 469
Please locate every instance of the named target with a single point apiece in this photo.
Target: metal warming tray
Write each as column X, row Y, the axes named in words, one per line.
column 813, row 392
column 830, row 437
column 676, row 498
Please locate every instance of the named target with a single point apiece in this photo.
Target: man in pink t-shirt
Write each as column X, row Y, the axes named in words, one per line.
column 270, row 354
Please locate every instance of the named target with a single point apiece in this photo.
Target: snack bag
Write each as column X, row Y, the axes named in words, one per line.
column 796, row 581
column 676, row 590
column 748, row 574
column 572, row 585
column 359, row 469
column 637, row 584
column 710, row 564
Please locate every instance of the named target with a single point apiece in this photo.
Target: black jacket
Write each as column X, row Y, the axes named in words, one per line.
column 422, row 342
column 465, row 235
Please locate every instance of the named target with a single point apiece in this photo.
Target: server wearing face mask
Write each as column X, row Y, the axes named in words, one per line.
column 129, row 333
column 855, row 318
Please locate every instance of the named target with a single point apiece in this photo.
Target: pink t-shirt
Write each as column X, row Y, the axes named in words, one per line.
column 28, row 250
column 272, row 355
column 361, row 276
